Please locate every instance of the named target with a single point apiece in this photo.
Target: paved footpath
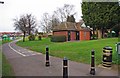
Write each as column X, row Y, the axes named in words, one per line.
column 30, row 63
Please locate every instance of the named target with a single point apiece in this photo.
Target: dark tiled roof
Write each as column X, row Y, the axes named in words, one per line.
column 69, row 26
column 65, row 26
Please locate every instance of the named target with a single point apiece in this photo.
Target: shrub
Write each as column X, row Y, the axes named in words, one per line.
column 94, row 37
column 39, row 37
column 58, row 38
column 31, row 38
column 119, row 38
column 109, row 35
column 49, row 36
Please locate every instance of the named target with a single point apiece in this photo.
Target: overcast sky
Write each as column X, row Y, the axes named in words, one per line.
column 14, row 8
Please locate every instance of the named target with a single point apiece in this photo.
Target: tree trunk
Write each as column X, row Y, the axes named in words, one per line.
column 23, row 36
column 119, row 37
column 93, row 33
column 29, row 32
column 102, row 33
column 99, row 34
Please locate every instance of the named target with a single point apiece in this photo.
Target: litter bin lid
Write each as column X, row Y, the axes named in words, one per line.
column 65, row 58
column 107, row 48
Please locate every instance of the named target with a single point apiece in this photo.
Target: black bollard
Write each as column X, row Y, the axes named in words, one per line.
column 92, row 71
column 65, row 68
column 47, row 57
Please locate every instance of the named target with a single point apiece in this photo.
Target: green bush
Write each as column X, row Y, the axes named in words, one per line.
column 58, row 38
column 39, row 37
column 49, row 36
column 119, row 38
column 31, row 38
column 109, row 35
column 94, row 36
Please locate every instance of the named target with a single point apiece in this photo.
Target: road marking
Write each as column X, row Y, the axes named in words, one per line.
column 33, row 54
column 30, row 51
column 24, row 49
column 23, row 52
column 15, row 50
column 38, row 53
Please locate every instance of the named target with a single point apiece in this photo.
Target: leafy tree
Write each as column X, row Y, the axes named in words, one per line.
column 116, row 28
column 101, row 15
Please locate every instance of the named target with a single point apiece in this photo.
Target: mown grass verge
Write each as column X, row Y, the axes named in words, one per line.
column 6, row 67
column 79, row 51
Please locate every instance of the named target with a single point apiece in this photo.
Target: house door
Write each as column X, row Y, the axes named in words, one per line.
column 77, row 35
column 68, row 35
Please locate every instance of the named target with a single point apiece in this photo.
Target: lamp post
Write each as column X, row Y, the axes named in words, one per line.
column 1, row 2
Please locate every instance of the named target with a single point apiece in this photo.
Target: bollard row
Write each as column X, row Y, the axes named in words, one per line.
column 92, row 68
column 65, row 64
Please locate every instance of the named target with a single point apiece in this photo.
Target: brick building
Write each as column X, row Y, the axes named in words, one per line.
column 10, row 33
column 72, row 31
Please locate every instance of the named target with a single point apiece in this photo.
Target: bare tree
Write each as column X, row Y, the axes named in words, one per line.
column 55, row 21
column 64, row 12
column 31, row 22
column 60, row 15
column 45, row 23
column 26, row 23
column 20, row 24
column 36, row 31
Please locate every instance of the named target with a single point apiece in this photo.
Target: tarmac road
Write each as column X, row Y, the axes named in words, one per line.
column 30, row 63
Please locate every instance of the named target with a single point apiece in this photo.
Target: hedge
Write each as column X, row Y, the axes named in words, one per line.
column 58, row 38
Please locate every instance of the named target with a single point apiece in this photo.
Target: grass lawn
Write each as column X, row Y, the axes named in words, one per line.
column 6, row 67
column 6, row 41
column 79, row 51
